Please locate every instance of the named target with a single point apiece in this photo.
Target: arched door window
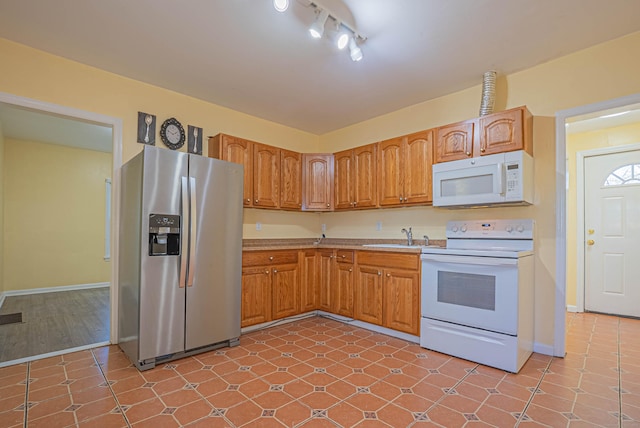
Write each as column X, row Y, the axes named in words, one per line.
column 624, row 175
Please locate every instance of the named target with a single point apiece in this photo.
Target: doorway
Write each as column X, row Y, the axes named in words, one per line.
column 50, row 120
column 567, row 290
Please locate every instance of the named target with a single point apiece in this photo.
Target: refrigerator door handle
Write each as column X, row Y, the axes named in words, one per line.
column 183, row 241
column 193, row 231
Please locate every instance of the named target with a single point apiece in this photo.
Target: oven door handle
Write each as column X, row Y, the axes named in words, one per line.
column 469, row 260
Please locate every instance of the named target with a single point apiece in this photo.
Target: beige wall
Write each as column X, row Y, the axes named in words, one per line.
column 599, row 73
column 1, row 210
column 55, row 215
column 608, row 137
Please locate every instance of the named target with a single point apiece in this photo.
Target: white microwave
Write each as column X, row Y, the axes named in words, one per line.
column 492, row 180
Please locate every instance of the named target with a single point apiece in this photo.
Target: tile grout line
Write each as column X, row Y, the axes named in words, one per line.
column 26, row 395
column 533, row 394
column 113, row 394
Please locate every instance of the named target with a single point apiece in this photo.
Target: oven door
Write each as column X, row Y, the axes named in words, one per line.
column 472, row 291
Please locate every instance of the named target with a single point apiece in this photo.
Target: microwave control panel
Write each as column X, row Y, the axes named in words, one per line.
column 513, row 177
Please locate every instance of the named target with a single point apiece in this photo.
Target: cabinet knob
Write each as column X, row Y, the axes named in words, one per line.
column 248, row 200
column 275, row 271
column 468, row 153
column 255, row 202
column 350, row 269
column 388, row 275
column 482, row 150
column 344, row 256
column 270, row 257
column 328, row 205
column 379, row 273
column 266, row 271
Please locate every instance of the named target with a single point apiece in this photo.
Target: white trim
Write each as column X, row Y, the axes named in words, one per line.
column 572, row 308
column 9, row 293
column 580, row 208
column 559, row 343
column 2, row 296
column 543, row 349
column 116, row 126
column 107, row 219
column 52, row 354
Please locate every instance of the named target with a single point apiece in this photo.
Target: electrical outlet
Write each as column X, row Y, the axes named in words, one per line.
column 258, row 226
column 379, row 226
column 324, row 227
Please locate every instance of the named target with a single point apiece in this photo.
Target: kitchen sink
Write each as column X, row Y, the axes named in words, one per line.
column 392, row 246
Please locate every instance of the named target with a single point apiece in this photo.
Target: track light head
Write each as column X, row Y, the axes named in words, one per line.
column 342, row 38
column 281, row 5
column 355, row 51
column 317, row 28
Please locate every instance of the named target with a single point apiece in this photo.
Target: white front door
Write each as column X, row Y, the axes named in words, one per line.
column 612, row 233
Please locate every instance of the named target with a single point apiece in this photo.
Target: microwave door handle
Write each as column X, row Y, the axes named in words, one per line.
column 183, row 238
column 500, row 174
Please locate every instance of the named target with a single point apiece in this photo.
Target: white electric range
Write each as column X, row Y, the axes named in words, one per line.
column 477, row 296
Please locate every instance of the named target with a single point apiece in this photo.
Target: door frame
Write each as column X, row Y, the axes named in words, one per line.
column 559, row 342
column 580, row 193
column 116, row 151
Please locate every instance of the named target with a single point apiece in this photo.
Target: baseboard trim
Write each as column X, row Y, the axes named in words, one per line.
column 53, row 289
column 572, row 308
column 53, row 354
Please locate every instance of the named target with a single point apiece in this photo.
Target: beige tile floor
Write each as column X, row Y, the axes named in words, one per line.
column 322, row 373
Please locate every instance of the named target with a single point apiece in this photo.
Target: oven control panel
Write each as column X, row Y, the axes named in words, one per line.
column 495, row 229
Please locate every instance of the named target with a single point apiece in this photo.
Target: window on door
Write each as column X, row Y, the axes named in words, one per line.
column 624, row 175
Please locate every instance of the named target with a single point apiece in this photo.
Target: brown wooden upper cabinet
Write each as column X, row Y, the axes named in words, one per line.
column 500, row 132
column 237, row 150
column 317, row 182
column 266, row 173
column 290, row 180
column 506, row 131
column 404, row 169
column 355, row 178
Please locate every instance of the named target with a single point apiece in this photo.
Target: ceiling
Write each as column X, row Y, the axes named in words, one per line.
column 245, row 55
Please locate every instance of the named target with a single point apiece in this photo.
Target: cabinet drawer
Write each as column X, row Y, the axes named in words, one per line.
column 389, row 259
column 266, row 258
column 344, row 256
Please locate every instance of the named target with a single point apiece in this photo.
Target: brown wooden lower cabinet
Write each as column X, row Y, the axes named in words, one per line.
column 381, row 288
column 270, row 286
column 388, row 290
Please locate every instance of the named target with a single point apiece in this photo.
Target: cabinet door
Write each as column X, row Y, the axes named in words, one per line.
column 342, row 293
column 317, row 177
column 390, row 172
column 364, row 177
column 290, row 180
column 402, row 300
column 326, row 259
column 344, row 170
column 416, row 167
column 235, row 150
column 309, row 281
column 454, row 142
column 256, row 295
column 266, row 176
column 501, row 132
column 285, row 295
column 368, row 298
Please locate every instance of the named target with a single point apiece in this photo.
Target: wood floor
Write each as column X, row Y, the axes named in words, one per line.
column 54, row 321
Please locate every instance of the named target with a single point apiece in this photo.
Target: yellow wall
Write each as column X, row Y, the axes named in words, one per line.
column 1, row 210
column 55, row 215
column 608, row 137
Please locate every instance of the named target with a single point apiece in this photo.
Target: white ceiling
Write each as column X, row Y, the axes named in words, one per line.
column 244, row 55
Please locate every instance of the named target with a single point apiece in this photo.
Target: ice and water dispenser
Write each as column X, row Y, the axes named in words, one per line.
column 164, row 235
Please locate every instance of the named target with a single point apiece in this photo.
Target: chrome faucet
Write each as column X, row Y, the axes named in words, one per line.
column 426, row 240
column 409, row 235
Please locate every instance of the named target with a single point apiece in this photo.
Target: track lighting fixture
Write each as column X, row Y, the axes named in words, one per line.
column 281, row 5
column 317, row 28
column 342, row 35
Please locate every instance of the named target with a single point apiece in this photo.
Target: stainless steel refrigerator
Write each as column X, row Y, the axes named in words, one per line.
column 180, row 255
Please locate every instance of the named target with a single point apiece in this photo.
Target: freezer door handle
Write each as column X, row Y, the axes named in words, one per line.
column 183, row 241
column 193, row 231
